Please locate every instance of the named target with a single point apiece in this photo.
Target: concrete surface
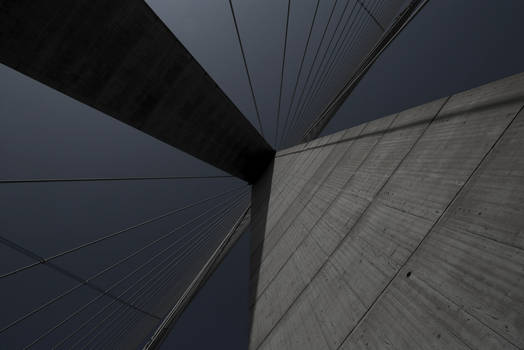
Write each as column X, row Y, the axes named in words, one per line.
column 118, row 57
column 406, row 232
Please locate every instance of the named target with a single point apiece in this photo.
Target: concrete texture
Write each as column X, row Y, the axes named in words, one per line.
column 118, row 57
column 406, row 232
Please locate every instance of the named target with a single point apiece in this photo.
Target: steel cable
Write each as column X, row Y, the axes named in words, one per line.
column 343, row 51
column 315, row 76
column 322, row 82
column 301, row 66
column 113, row 285
column 282, row 72
column 96, row 179
column 246, row 67
column 42, row 260
column 64, row 294
column 163, row 281
column 337, row 41
column 321, row 41
column 171, row 256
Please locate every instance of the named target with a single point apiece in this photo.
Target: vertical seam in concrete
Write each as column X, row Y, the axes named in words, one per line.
column 307, row 235
column 439, row 219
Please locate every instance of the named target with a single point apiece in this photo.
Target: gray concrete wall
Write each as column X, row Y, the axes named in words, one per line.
column 406, row 232
column 118, row 57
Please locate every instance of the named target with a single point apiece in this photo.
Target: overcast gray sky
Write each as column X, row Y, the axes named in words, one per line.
column 451, row 46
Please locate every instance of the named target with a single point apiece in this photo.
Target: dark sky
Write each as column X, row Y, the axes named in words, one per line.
column 451, row 46
column 206, row 28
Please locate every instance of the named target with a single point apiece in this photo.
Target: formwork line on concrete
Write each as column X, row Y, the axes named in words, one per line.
column 437, row 221
column 294, row 186
column 292, row 171
column 330, row 172
column 356, row 222
column 295, row 190
column 301, row 186
column 299, row 167
column 306, row 180
column 334, row 166
column 316, row 222
column 287, row 184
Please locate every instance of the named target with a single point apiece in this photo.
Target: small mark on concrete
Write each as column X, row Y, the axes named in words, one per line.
column 408, row 275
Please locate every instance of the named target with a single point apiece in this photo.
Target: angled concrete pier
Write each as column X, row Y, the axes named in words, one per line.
column 406, row 232
column 118, row 57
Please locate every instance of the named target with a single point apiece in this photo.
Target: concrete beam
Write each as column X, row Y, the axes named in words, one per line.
column 118, row 57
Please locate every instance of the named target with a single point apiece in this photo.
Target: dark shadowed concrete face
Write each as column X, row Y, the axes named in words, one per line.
column 119, row 57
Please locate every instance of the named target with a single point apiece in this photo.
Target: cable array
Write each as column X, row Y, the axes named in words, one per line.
column 158, row 285
column 337, row 55
column 182, row 242
column 169, row 261
column 341, row 49
column 311, row 26
column 314, row 61
column 47, row 260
